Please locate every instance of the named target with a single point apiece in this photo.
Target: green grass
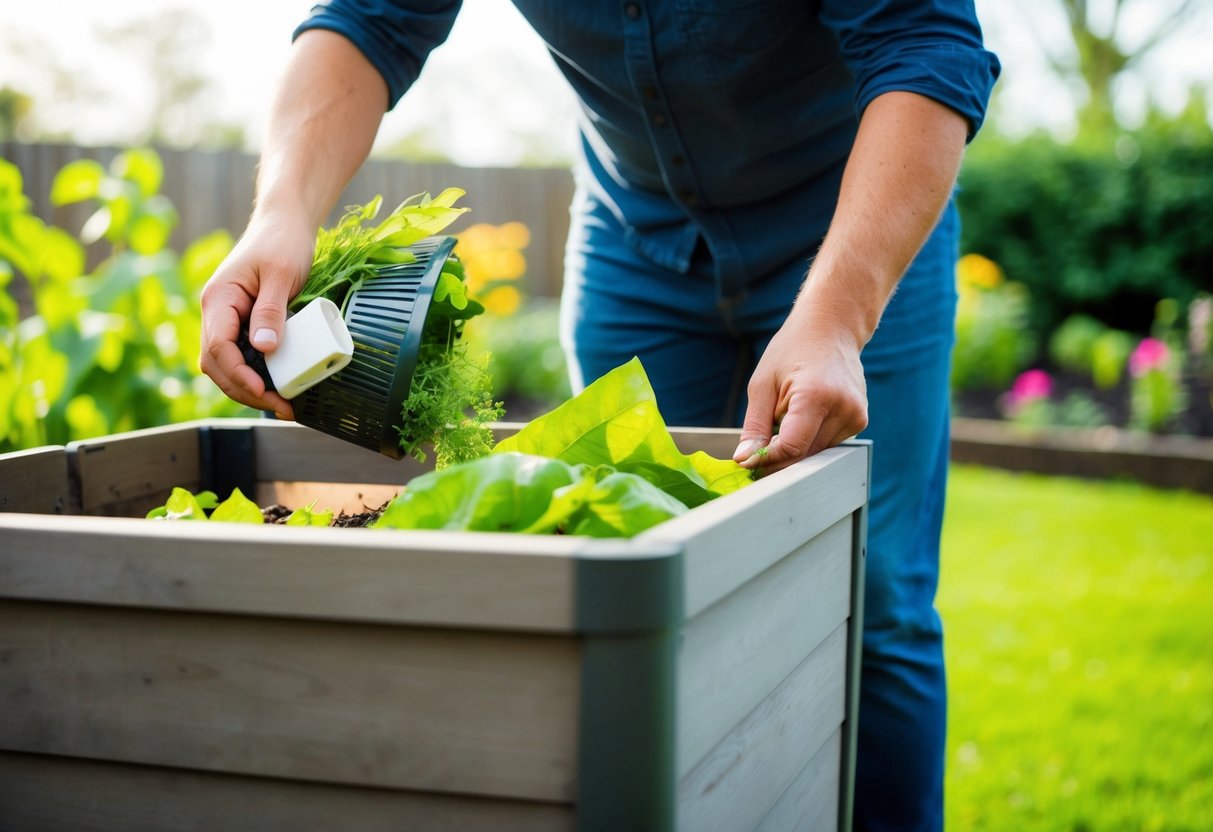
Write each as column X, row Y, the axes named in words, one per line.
column 1078, row 620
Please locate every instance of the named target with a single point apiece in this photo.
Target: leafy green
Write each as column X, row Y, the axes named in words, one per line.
column 351, row 251
column 446, row 384
column 182, row 505
column 308, row 516
column 513, row 492
column 110, row 350
column 237, row 509
column 615, row 421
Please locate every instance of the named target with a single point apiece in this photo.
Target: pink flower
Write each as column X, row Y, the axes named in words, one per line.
column 1030, row 386
column 1151, row 354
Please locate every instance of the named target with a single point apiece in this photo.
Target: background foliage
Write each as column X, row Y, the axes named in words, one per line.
column 1107, row 227
column 110, row 350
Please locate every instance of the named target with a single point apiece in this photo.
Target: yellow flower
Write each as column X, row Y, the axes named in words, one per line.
column 504, row 300
column 513, row 235
column 976, row 270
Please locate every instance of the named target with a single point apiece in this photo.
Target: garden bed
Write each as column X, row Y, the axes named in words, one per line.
column 1094, row 453
column 698, row 676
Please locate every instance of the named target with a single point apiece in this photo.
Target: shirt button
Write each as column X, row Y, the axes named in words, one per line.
column 649, row 92
column 689, row 197
column 678, row 160
column 660, row 120
column 632, row 10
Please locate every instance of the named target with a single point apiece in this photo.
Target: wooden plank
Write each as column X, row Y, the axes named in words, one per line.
column 431, row 710
column 726, row 544
column 35, row 481
column 288, row 451
column 717, row 442
column 52, row 794
column 129, row 473
column 1178, row 462
column 436, row 578
column 740, row 649
column 742, row 778
column 810, row 804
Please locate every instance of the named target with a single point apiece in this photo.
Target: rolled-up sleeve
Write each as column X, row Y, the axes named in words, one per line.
column 396, row 37
column 930, row 47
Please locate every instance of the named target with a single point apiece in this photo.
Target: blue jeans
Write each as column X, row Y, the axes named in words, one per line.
column 699, row 357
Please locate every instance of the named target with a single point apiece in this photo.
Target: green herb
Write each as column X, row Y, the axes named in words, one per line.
column 450, row 402
column 350, row 251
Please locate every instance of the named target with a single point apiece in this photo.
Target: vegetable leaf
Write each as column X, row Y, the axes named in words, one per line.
column 237, row 509
column 615, row 421
column 308, row 516
column 515, row 492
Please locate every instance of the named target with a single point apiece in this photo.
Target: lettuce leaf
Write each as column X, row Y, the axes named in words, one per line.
column 515, row 492
column 615, row 421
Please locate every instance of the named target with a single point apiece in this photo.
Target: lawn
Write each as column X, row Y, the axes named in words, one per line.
column 1078, row 619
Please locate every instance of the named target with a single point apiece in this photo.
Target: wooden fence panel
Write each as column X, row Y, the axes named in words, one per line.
column 214, row 189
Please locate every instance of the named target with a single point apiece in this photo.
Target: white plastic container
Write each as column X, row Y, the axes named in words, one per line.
column 315, row 344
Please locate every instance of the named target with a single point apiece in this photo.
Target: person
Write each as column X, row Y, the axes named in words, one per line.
column 727, row 146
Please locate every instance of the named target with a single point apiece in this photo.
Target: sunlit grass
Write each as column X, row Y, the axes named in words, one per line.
column 1079, row 629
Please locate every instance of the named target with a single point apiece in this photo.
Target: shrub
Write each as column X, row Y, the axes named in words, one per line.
column 1103, row 229
column 112, row 350
column 992, row 343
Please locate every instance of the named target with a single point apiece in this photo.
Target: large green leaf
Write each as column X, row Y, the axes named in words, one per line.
column 615, row 421
column 500, row 493
column 237, row 509
column 140, row 166
column 202, row 257
column 77, row 181
column 622, row 505
column 533, row 495
column 152, row 224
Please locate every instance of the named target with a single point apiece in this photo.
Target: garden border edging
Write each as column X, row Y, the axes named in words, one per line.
column 1178, row 462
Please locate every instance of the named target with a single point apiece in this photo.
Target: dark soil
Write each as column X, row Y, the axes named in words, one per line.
column 277, row 514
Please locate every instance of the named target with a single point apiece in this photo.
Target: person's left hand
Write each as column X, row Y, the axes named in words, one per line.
column 809, row 385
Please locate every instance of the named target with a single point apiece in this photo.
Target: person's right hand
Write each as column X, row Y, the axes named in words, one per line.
column 265, row 270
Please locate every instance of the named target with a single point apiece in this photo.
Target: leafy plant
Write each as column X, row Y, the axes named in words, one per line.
column 513, row 492
column 615, row 421
column 111, row 350
column 992, row 341
column 237, row 508
column 602, row 464
column 446, row 385
column 350, row 252
column 1157, row 394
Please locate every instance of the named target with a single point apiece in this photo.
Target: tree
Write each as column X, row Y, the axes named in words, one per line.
column 14, row 106
column 1103, row 51
column 167, row 45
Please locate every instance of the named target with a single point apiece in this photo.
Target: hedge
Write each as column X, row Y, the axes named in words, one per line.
column 1105, row 229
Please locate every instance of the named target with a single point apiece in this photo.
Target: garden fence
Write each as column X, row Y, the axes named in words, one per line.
column 214, row 189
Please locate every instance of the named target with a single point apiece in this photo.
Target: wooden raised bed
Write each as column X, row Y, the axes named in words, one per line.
column 175, row 676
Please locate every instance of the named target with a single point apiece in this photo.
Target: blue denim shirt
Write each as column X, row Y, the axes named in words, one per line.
column 726, row 120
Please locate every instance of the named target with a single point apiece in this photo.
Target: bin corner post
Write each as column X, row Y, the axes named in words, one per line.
column 629, row 615
column 228, row 459
column 850, row 737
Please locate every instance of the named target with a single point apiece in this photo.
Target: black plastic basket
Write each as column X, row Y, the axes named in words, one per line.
column 363, row 402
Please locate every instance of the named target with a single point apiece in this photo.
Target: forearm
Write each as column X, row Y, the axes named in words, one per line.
column 897, row 181
column 325, row 115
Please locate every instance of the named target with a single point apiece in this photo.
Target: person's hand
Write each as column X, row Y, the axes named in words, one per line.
column 809, row 385
column 264, row 271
